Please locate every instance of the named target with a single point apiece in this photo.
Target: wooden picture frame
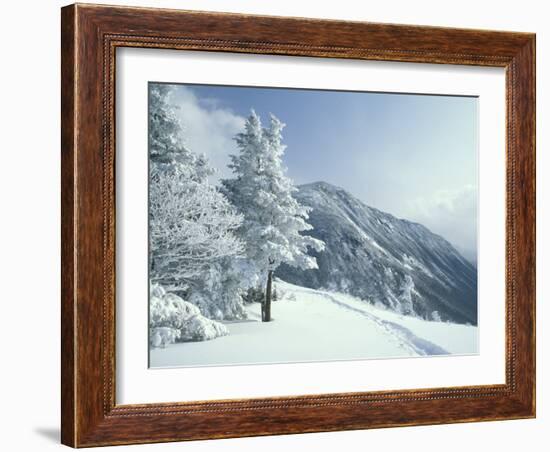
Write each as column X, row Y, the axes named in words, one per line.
column 90, row 35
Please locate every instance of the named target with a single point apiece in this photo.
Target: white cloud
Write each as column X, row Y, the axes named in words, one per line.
column 209, row 128
column 451, row 214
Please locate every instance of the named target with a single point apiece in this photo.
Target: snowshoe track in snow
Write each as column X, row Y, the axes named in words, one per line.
column 406, row 338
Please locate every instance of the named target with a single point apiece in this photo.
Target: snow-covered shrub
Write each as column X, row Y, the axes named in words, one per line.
column 199, row 328
column 162, row 336
column 221, row 290
column 436, row 317
column 169, row 312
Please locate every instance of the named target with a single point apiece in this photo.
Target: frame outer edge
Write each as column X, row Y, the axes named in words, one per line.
column 526, row 223
column 86, row 419
column 68, row 229
column 534, row 225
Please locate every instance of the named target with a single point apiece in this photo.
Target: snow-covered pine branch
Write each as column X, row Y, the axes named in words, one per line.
column 274, row 221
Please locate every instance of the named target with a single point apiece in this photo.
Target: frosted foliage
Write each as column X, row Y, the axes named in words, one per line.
column 167, row 148
column 191, row 228
column 174, row 319
column 199, row 328
column 274, row 221
column 191, row 223
column 406, row 298
column 157, row 290
column 171, row 311
column 162, row 336
column 436, row 317
column 220, row 294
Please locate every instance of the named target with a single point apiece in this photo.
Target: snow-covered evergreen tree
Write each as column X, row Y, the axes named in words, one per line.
column 274, row 221
column 167, row 149
column 191, row 223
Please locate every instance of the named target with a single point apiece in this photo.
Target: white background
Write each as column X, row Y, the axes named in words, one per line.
column 29, row 252
column 137, row 384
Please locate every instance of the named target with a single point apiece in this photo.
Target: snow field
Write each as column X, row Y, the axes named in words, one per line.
column 314, row 325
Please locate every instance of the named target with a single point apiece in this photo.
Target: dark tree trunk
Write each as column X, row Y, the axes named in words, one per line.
column 266, row 309
column 263, row 309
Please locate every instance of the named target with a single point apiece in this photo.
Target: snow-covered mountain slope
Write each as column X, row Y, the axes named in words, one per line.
column 315, row 325
column 382, row 259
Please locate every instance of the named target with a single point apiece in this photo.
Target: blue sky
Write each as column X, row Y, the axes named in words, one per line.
column 414, row 156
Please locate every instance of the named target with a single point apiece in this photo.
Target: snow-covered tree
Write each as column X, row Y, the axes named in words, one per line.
column 435, row 316
column 274, row 221
column 167, row 148
column 191, row 228
column 191, row 223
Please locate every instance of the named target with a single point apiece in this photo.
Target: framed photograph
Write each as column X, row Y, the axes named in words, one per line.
column 282, row 225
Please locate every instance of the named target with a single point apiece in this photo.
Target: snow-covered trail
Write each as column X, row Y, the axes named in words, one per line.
column 314, row 325
column 407, row 339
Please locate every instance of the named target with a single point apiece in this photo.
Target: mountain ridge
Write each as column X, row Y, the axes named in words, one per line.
column 385, row 260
